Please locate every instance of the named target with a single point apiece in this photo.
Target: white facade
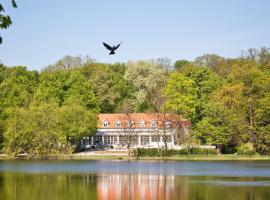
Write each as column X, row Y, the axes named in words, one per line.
column 136, row 130
column 136, row 138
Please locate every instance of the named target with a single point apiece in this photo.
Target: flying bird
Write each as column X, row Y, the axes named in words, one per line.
column 111, row 49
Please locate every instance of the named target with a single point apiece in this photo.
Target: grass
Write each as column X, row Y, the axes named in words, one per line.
column 224, row 157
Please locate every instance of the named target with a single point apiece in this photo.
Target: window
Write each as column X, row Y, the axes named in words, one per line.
column 153, row 124
column 118, row 124
column 131, row 123
column 144, row 139
column 142, row 123
column 154, row 138
column 97, row 139
column 166, row 138
column 168, row 124
column 106, row 124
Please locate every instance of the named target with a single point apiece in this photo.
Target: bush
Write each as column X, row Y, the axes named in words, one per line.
column 140, row 152
column 228, row 149
column 246, row 149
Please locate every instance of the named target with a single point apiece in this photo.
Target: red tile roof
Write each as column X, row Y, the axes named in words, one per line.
column 136, row 118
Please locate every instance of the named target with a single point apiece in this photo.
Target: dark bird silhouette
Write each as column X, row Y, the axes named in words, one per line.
column 111, row 49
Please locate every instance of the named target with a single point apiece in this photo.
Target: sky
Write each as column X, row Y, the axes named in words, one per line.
column 45, row 31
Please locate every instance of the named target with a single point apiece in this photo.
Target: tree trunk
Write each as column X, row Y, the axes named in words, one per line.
column 219, row 147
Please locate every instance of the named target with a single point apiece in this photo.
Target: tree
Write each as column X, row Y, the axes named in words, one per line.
column 62, row 86
column 230, row 98
column 145, row 77
column 256, row 86
column 205, row 82
column 69, row 62
column 260, row 56
column 35, row 131
column 17, row 87
column 1, row 134
column 212, row 61
column 109, row 85
column 262, row 130
column 5, row 20
column 165, row 63
column 216, row 128
column 180, row 93
column 76, row 121
column 179, row 64
column 3, row 68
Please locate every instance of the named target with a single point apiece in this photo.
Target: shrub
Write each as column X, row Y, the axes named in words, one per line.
column 140, row 152
column 246, row 149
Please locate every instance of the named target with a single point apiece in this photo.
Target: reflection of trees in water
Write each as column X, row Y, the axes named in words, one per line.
column 139, row 186
column 28, row 186
column 70, row 186
column 161, row 187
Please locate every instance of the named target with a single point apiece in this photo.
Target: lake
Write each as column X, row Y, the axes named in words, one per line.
column 117, row 180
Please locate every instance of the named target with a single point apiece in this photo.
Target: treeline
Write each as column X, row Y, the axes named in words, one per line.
column 227, row 100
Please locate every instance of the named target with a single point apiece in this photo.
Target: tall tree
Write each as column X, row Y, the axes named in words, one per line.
column 69, row 62
column 17, row 87
column 5, row 20
column 76, row 121
column 216, row 128
column 181, row 95
column 212, row 61
column 110, row 88
column 145, row 77
column 62, row 86
column 179, row 64
column 205, row 82
column 35, row 131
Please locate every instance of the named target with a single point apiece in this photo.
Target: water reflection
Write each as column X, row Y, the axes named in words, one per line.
column 106, row 186
column 114, row 187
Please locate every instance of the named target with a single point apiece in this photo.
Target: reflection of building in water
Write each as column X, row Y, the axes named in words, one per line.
column 117, row 187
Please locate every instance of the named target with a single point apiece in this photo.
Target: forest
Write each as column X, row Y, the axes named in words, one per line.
column 227, row 100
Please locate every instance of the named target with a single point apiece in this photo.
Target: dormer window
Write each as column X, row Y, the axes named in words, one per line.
column 106, row 124
column 131, row 123
column 154, row 124
column 118, row 124
column 142, row 123
column 168, row 124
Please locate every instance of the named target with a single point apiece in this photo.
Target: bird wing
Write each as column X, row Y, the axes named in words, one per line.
column 117, row 46
column 107, row 46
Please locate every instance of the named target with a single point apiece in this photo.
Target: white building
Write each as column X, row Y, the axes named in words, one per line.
column 137, row 130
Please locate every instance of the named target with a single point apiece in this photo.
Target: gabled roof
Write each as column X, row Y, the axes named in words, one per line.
column 148, row 118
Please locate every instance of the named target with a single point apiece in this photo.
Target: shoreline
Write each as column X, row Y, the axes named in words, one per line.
column 223, row 157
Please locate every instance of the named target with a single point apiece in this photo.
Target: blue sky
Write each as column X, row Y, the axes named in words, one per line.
column 45, row 31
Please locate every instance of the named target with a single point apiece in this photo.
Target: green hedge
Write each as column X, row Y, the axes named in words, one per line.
column 140, row 152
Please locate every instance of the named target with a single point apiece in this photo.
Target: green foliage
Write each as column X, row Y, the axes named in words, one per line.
column 180, row 92
column 227, row 100
column 5, row 20
column 153, row 152
column 246, row 149
column 216, row 128
column 206, row 82
column 62, row 86
column 1, row 134
column 76, row 121
column 109, row 85
column 17, row 88
column 146, row 77
column 212, row 61
column 180, row 64
column 35, row 131
column 69, row 62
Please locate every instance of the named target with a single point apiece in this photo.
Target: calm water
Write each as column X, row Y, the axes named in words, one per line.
column 116, row 180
